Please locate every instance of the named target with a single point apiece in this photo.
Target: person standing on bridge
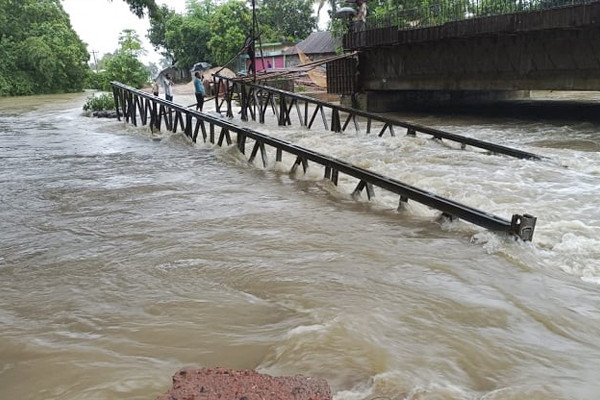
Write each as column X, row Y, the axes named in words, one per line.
column 361, row 16
column 199, row 87
column 155, row 87
column 168, row 84
column 249, row 48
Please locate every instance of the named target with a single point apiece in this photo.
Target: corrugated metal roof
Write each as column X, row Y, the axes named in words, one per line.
column 316, row 43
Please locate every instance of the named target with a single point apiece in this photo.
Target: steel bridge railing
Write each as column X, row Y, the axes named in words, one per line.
column 256, row 99
column 138, row 106
column 439, row 13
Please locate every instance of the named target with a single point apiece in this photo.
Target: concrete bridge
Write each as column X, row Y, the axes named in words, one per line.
column 475, row 59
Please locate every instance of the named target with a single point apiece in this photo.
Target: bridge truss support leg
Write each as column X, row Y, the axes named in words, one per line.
column 224, row 136
column 263, row 153
column 386, row 127
column 262, row 107
column 241, row 143
column 284, row 112
column 347, row 121
column 336, row 125
column 364, row 185
column 299, row 161
column 402, row 203
column 244, row 103
column 199, row 125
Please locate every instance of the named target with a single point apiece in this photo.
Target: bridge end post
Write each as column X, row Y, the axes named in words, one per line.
column 523, row 226
column 116, row 99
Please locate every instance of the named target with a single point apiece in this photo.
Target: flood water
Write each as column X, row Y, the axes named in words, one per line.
column 126, row 255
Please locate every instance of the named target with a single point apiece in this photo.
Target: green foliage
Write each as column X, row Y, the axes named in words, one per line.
column 130, row 43
column 104, row 60
column 124, row 65
column 421, row 13
column 152, row 69
column 143, row 7
column 290, row 19
column 39, row 50
column 98, row 80
column 215, row 31
column 105, row 101
column 127, row 69
column 338, row 27
column 188, row 37
column 230, row 26
column 488, row 7
column 158, row 29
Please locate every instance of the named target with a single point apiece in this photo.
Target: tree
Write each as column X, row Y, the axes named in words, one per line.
column 231, row 24
column 103, row 62
column 130, row 43
column 320, row 5
column 290, row 19
column 39, row 50
column 216, row 33
column 143, row 7
column 487, row 7
column 164, row 63
column 183, row 38
column 419, row 13
column 188, row 36
column 124, row 65
column 152, row 69
column 158, row 32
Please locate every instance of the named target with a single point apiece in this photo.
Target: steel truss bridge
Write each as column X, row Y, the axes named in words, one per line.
column 138, row 107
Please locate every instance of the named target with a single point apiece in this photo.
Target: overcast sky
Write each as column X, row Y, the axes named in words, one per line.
column 99, row 22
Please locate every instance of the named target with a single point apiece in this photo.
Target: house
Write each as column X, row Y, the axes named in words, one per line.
column 317, row 46
column 268, row 55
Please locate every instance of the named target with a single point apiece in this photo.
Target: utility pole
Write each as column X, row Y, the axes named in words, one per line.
column 254, row 30
column 95, row 61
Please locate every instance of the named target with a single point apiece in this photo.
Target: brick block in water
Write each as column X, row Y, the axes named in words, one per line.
column 228, row 384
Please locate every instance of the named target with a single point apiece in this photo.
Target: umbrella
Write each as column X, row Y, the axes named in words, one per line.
column 201, row 66
column 345, row 12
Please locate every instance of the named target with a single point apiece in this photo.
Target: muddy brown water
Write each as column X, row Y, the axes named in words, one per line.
column 125, row 256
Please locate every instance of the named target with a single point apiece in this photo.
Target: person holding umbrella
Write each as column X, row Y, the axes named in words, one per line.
column 199, row 90
column 168, row 84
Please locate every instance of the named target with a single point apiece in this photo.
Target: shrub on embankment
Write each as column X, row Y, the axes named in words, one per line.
column 102, row 105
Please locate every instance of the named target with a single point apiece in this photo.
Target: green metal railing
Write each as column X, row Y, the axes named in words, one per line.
column 436, row 14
